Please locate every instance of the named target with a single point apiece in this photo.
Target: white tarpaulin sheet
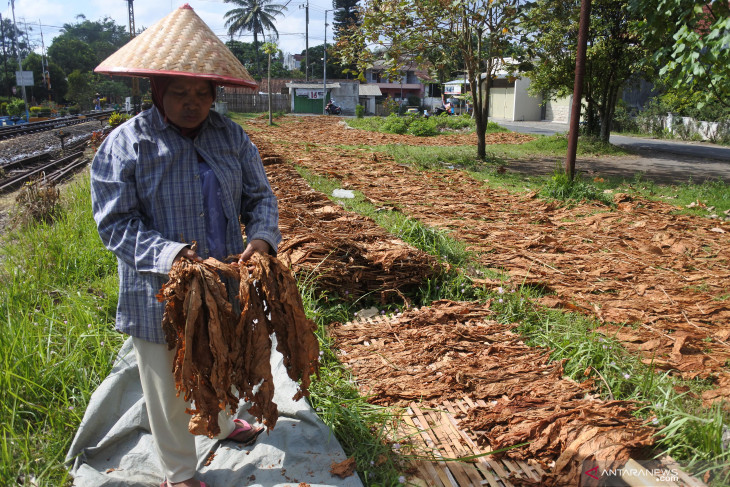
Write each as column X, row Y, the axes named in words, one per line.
column 114, row 447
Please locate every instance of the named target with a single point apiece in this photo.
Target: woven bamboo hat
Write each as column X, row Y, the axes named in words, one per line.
column 180, row 44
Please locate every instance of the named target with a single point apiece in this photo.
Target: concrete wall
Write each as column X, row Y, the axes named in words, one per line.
column 527, row 107
column 346, row 96
column 558, row 110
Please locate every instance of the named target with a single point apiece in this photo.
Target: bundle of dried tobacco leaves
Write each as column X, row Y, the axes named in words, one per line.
column 220, row 352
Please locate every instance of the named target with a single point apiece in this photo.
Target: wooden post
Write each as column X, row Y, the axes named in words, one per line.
column 580, row 69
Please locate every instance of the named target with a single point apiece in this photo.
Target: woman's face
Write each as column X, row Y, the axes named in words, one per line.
column 187, row 101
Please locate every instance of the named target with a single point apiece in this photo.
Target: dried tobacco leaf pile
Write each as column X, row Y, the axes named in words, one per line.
column 219, row 351
column 451, row 350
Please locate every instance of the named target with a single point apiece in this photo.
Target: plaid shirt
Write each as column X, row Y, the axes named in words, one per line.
column 147, row 200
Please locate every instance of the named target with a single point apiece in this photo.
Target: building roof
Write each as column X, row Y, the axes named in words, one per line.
column 370, row 90
column 277, row 86
column 310, row 85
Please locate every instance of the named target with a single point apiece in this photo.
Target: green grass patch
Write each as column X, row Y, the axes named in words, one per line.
column 58, row 293
column 420, row 126
column 554, row 146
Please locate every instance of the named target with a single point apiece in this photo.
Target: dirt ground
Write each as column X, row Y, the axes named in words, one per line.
column 656, row 280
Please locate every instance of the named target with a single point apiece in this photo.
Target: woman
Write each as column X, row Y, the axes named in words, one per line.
column 176, row 174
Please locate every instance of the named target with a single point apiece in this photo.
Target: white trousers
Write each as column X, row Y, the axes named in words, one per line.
column 168, row 419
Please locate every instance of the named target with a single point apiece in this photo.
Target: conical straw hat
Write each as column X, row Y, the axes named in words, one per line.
column 180, row 44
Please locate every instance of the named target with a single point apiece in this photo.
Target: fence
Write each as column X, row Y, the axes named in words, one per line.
column 255, row 103
column 686, row 128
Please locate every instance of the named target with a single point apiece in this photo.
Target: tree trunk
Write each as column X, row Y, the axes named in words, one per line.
column 256, row 53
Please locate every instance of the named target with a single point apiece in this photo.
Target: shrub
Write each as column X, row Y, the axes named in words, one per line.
column 359, row 111
column 38, row 201
column 16, row 107
column 423, row 127
column 561, row 187
column 4, row 108
column 74, row 110
column 395, row 124
column 116, row 119
column 35, row 111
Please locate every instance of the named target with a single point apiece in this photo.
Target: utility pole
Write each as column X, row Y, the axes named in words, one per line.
column 135, row 80
column 20, row 62
column 46, row 70
column 5, row 56
column 324, row 66
column 306, row 40
column 580, row 69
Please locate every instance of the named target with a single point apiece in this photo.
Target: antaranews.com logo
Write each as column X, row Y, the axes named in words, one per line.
column 594, row 474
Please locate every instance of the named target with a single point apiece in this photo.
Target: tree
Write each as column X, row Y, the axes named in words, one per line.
column 270, row 49
column 82, row 46
column 345, row 16
column 408, row 29
column 246, row 53
column 40, row 90
column 72, row 54
column 8, row 36
column 615, row 52
column 691, row 41
column 80, row 89
column 256, row 16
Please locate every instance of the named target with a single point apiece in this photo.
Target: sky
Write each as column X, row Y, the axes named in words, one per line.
column 45, row 18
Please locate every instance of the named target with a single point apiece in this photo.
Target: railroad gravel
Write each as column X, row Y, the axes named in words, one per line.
column 44, row 142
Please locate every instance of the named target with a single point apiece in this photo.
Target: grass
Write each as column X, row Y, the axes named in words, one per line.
column 57, row 299
column 709, row 197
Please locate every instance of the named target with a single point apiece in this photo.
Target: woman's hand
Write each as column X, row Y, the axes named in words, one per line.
column 256, row 245
column 189, row 254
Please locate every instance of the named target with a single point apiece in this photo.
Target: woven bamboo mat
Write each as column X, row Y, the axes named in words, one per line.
column 435, row 433
column 437, row 438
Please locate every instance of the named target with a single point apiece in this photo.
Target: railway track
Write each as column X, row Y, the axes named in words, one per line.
column 18, row 172
column 56, row 123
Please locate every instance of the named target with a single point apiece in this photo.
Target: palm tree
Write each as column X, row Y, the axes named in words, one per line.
column 255, row 16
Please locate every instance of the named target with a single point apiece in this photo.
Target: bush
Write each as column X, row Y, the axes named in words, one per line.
column 359, row 111
column 16, row 107
column 4, row 108
column 35, row 111
column 395, row 124
column 561, row 187
column 423, row 127
column 74, row 110
column 117, row 119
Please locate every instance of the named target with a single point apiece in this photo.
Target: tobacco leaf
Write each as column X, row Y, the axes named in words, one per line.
column 219, row 351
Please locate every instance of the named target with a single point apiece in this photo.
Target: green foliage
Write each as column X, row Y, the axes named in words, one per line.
column 417, row 125
column 255, row 16
column 16, row 107
column 561, row 187
column 696, row 57
column 395, row 124
column 116, row 119
column 550, row 36
column 359, row 111
column 58, row 293
column 423, row 127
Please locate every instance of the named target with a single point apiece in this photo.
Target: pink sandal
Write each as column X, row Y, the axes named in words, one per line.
column 243, row 426
column 165, row 484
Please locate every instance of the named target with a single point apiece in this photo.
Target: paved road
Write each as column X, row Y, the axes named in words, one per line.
column 663, row 161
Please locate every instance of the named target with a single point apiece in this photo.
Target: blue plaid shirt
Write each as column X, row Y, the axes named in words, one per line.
column 148, row 203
